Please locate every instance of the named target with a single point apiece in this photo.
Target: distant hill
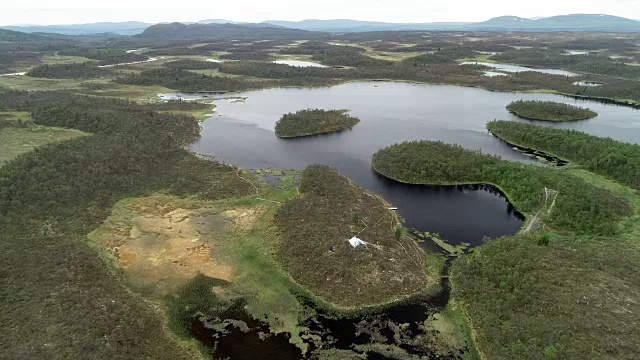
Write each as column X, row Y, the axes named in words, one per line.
column 16, row 36
column 120, row 28
column 345, row 25
column 574, row 22
column 507, row 21
column 179, row 31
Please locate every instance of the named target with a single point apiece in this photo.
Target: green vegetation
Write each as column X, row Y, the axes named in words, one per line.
column 427, row 59
column 183, row 80
column 590, row 64
column 546, row 294
column 604, row 156
column 191, row 64
column 571, row 299
column 537, row 57
column 19, row 135
column 579, row 206
column 315, row 230
column 346, row 56
column 608, row 68
column 50, row 198
column 549, row 111
column 314, row 121
column 563, row 292
column 68, row 71
column 249, row 55
column 105, row 56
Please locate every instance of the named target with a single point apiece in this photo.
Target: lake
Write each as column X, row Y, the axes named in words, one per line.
column 241, row 133
column 516, row 69
column 298, row 63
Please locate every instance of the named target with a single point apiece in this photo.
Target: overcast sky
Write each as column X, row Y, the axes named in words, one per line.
column 153, row 11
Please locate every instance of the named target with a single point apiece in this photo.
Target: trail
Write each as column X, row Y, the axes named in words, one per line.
column 536, row 222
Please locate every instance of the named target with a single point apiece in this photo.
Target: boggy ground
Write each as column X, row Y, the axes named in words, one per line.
column 213, row 265
column 162, row 242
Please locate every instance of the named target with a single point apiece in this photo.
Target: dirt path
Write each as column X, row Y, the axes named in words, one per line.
column 536, row 222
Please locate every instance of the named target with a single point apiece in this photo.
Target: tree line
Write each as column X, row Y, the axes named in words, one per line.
column 178, row 79
column 611, row 158
column 68, row 71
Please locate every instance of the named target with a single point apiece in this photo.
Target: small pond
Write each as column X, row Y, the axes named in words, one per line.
column 298, row 63
column 516, row 69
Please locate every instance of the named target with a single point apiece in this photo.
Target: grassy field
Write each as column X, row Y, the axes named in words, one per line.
column 21, row 136
column 30, row 83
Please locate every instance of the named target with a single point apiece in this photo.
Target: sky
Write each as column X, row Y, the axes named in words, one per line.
column 47, row 12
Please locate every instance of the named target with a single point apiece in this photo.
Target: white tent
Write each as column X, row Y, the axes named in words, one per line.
column 355, row 242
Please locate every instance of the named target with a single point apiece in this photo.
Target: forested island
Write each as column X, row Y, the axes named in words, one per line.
column 549, row 111
column 313, row 122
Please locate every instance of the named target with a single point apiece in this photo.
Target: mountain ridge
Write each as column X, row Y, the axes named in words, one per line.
column 228, row 31
column 571, row 22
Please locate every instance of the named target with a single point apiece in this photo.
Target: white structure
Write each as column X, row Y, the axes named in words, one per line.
column 355, row 242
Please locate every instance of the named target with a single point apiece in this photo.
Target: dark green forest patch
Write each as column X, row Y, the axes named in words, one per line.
column 178, row 79
column 68, row 71
column 549, row 111
column 570, row 299
column 314, row 121
column 614, row 159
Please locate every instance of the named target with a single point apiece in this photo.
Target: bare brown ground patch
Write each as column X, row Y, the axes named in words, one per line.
column 162, row 242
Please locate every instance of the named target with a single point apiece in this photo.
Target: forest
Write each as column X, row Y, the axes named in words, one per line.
column 314, row 121
column 190, row 64
column 105, row 56
column 533, row 301
column 52, row 197
column 68, row 71
column 178, row 79
column 580, row 206
column 346, row 56
column 249, row 55
column 614, row 159
column 549, row 111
